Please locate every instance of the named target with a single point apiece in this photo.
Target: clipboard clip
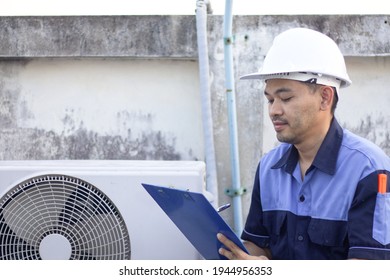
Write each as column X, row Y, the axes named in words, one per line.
column 223, row 207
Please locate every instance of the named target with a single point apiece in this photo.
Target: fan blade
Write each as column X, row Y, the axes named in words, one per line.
column 100, row 237
column 82, row 203
column 30, row 216
column 13, row 247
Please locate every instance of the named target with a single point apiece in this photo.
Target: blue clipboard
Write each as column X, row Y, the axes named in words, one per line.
column 196, row 218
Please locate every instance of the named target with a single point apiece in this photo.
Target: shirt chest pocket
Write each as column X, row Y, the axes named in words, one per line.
column 327, row 233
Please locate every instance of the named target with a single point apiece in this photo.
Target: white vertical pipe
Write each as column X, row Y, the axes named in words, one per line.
column 231, row 105
column 211, row 170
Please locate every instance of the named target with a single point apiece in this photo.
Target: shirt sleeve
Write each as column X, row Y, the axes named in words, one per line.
column 254, row 231
column 369, row 220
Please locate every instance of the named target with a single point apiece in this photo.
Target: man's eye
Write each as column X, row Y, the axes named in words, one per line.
column 286, row 99
column 270, row 101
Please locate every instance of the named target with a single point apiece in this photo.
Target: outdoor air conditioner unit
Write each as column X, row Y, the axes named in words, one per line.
column 92, row 209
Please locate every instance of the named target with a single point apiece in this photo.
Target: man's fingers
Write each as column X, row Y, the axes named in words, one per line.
column 226, row 253
column 225, row 241
column 231, row 251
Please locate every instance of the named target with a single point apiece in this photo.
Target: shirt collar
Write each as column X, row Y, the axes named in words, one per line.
column 326, row 158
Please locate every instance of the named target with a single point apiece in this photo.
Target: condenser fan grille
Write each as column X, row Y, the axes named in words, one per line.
column 60, row 217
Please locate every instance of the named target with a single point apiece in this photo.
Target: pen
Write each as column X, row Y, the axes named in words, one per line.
column 223, row 207
column 382, row 183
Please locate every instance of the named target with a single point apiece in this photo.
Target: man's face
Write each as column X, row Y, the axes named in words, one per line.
column 294, row 110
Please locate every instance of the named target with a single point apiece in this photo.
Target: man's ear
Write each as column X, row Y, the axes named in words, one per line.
column 327, row 95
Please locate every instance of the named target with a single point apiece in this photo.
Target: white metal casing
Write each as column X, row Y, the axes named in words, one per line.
column 152, row 234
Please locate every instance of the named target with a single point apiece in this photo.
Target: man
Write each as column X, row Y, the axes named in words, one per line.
column 316, row 195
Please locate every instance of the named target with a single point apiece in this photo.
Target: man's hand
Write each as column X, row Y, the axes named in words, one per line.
column 233, row 252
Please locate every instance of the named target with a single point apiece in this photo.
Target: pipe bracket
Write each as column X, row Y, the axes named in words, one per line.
column 235, row 192
column 229, row 40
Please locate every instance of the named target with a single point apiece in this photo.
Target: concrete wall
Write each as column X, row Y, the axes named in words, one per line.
column 127, row 87
column 99, row 109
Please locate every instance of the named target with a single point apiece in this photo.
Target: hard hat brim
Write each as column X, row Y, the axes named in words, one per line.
column 252, row 76
column 321, row 79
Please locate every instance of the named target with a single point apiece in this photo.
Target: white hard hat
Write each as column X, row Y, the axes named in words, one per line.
column 305, row 55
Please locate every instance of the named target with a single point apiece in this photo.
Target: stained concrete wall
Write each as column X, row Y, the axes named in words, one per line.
column 127, row 87
column 99, row 109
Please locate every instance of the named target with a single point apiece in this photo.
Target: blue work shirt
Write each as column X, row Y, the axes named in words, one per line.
column 335, row 212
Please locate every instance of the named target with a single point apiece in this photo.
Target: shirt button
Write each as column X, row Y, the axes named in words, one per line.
column 300, row 238
column 302, row 198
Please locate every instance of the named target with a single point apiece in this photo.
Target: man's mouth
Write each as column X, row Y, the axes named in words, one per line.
column 279, row 125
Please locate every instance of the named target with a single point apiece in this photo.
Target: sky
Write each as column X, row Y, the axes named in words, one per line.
column 187, row 7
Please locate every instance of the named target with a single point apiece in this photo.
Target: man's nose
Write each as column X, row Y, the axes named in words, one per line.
column 275, row 108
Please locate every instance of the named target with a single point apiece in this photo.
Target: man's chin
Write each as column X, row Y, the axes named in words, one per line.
column 284, row 138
